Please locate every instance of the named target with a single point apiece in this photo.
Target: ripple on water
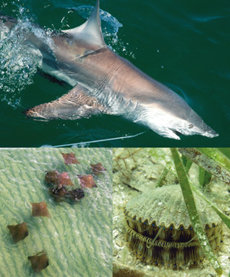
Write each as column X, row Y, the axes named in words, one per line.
column 206, row 18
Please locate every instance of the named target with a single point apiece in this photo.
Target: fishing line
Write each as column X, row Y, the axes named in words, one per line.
column 82, row 144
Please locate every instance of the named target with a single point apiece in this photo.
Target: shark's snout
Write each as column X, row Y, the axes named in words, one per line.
column 209, row 132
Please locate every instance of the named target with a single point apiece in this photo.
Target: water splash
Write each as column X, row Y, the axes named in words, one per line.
column 18, row 62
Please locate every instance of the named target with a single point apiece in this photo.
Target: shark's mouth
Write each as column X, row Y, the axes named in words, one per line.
column 168, row 125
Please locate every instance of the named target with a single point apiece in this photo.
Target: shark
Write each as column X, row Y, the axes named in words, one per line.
column 105, row 83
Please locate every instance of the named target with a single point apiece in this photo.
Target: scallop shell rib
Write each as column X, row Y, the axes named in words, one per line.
column 165, row 206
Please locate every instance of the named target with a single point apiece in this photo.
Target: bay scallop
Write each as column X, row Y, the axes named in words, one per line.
column 159, row 231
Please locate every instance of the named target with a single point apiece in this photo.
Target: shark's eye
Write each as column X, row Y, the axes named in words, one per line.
column 190, row 126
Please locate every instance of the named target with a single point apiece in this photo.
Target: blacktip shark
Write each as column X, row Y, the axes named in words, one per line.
column 104, row 82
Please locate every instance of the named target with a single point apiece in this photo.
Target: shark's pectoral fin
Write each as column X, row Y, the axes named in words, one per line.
column 73, row 105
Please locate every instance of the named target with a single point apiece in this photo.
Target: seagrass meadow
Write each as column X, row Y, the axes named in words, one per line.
column 77, row 235
column 156, row 231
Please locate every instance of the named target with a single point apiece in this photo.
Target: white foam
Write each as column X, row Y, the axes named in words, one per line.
column 18, row 62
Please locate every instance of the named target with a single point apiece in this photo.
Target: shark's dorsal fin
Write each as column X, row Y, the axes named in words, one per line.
column 90, row 31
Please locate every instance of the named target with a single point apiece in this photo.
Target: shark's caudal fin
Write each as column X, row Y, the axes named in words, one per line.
column 90, row 31
column 73, row 105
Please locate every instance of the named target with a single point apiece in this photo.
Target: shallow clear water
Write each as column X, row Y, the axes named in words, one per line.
column 183, row 45
column 76, row 236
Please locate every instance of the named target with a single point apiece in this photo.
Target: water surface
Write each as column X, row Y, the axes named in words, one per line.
column 183, row 45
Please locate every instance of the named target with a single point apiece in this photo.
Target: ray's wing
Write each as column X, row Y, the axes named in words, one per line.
column 73, row 105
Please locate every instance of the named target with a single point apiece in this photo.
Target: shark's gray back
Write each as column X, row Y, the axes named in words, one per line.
column 125, row 90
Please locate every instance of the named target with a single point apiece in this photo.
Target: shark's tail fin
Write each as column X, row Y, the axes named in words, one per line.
column 73, row 105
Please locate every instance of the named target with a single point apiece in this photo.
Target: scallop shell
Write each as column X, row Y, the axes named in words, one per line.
column 159, row 229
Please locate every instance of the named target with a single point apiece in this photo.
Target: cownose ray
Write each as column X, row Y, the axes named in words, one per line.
column 104, row 82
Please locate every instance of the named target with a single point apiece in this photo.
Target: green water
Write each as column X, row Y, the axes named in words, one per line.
column 183, row 44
